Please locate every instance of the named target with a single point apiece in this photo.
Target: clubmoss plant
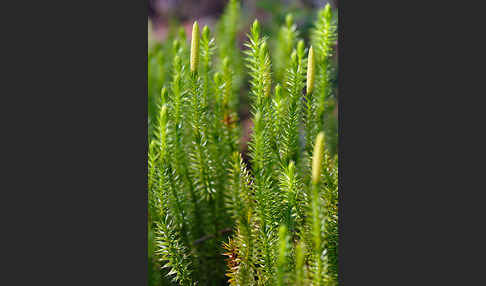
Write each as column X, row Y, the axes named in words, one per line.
column 287, row 39
column 228, row 48
column 215, row 218
column 323, row 39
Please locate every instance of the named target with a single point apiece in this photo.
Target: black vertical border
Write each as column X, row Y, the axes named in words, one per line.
column 83, row 198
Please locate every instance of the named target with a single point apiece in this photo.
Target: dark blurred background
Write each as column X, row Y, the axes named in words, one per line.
column 270, row 12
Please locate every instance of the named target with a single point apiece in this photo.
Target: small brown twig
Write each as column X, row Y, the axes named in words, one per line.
column 206, row 237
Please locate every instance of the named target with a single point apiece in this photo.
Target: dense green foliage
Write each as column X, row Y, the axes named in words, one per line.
column 215, row 219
